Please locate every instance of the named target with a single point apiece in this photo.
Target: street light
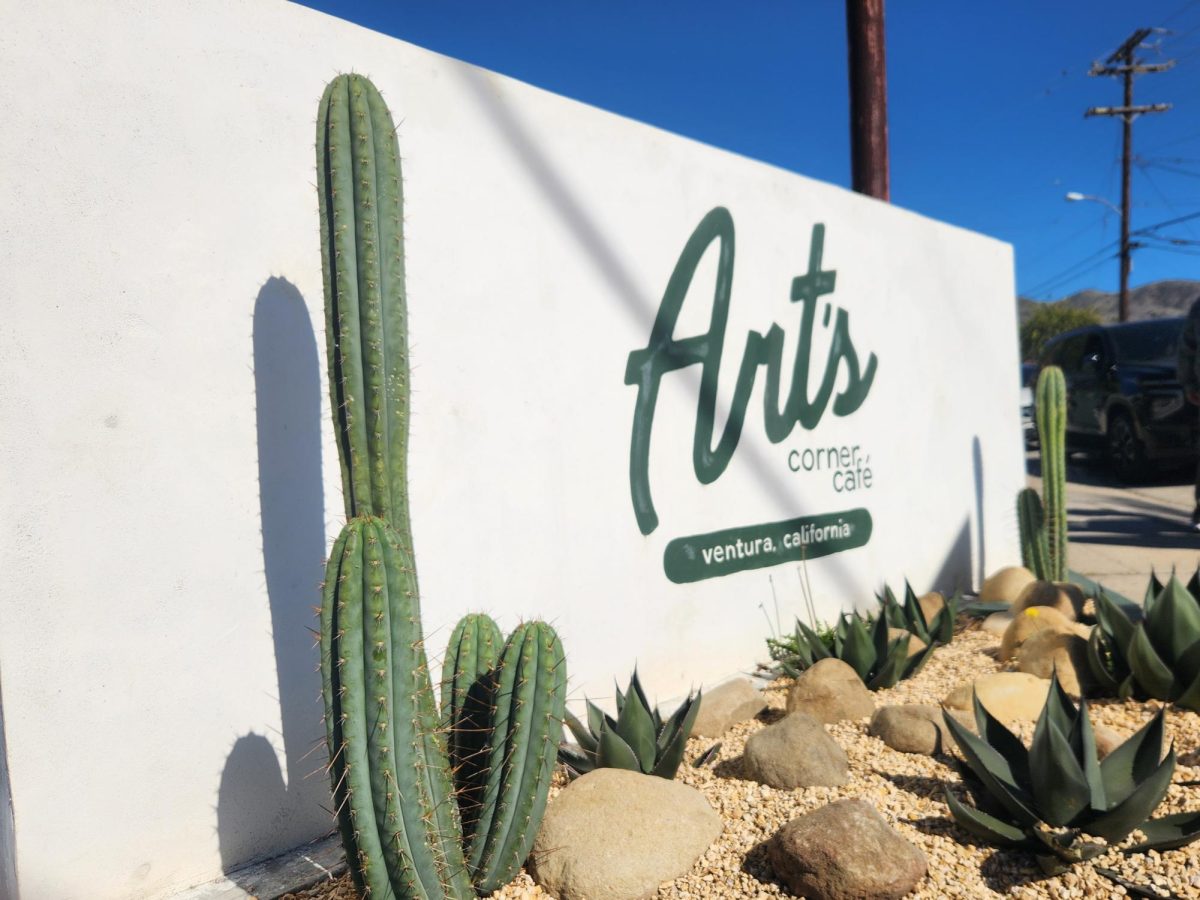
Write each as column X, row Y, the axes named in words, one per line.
column 1075, row 195
column 1126, row 248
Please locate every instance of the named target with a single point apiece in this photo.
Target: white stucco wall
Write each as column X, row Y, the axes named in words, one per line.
column 167, row 470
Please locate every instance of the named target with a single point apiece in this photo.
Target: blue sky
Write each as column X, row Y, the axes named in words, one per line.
column 986, row 103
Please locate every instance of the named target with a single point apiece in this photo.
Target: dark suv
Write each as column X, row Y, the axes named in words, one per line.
column 1123, row 396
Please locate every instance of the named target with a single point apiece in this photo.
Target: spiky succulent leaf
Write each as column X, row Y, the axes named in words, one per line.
column 636, row 728
column 1168, row 833
column 995, row 734
column 1149, row 670
column 614, row 753
column 983, row 826
column 1175, row 625
column 1133, row 761
column 994, row 772
column 1135, row 809
column 1060, row 789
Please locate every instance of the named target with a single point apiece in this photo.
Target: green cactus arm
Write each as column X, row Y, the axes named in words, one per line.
column 468, row 694
column 529, row 753
column 363, row 260
column 1032, row 527
column 1051, row 410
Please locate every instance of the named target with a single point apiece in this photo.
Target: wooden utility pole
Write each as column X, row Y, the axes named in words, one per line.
column 1121, row 62
column 868, row 98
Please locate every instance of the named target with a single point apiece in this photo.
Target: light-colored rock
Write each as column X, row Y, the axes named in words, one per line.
column 997, row 623
column 1063, row 596
column 1009, row 696
column 1005, row 585
column 725, row 706
column 795, row 752
column 845, row 851
column 915, row 644
column 830, row 691
column 911, row 728
column 931, row 604
column 1050, row 650
column 1028, row 622
column 617, row 835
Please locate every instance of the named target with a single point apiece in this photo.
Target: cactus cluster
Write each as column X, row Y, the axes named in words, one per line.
column 638, row 739
column 417, row 818
column 1043, row 521
column 1157, row 657
column 1051, row 797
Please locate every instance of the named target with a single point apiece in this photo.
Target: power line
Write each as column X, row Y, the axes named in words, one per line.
column 1070, row 271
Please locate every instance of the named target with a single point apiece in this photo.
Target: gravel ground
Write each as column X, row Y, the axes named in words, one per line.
column 906, row 789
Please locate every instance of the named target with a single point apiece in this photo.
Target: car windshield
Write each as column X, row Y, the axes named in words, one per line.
column 1154, row 343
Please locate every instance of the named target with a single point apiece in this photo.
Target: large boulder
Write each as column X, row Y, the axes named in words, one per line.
column 1064, row 652
column 845, row 851
column 1063, row 596
column 795, row 752
column 725, row 706
column 911, row 728
column 830, row 691
column 1009, row 696
column 613, row 834
column 1005, row 585
column 1028, row 622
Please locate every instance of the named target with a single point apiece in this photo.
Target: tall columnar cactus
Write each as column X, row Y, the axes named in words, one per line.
column 391, row 785
column 1051, row 405
column 1031, row 521
column 362, row 252
column 391, row 772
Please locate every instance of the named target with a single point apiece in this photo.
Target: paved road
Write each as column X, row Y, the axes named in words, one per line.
column 1118, row 533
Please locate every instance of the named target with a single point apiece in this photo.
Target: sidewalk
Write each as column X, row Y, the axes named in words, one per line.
column 1117, row 534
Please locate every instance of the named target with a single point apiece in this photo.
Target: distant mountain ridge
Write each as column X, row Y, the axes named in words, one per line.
column 1150, row 301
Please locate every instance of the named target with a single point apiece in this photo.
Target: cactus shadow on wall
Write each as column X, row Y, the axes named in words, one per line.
column 261, row 809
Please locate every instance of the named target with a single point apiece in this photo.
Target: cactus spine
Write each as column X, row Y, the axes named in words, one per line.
column 1051, row 406
column 389, row 766
column 1030, row 520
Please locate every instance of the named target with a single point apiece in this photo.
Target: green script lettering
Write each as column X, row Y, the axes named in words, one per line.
column 664, row 353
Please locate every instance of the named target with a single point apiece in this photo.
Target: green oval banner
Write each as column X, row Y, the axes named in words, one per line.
column 747, row 547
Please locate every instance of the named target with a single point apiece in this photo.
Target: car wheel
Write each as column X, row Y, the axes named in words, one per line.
column 1126, row 454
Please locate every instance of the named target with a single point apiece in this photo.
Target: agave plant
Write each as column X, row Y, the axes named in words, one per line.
column 911, row 617
column 863, row 643
column 1158, row 657
column 1056, row 797
column 638, row 739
